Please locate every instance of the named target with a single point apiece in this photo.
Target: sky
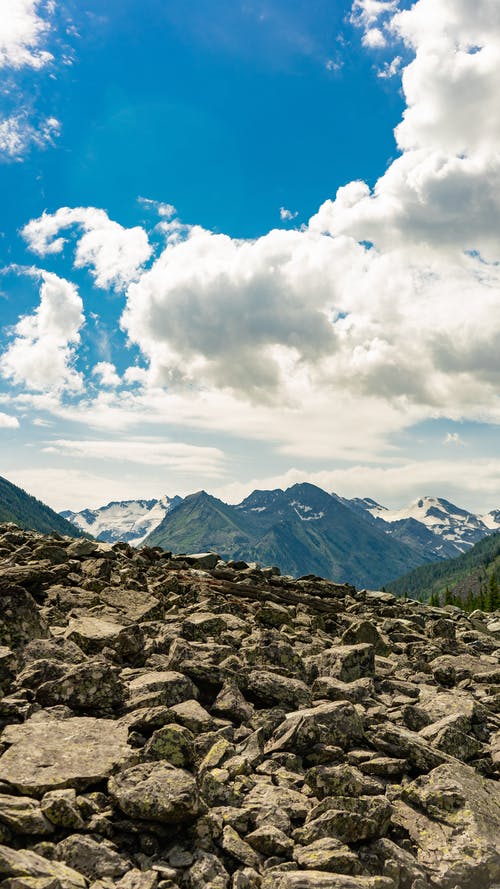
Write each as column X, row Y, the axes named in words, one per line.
column 249, row 243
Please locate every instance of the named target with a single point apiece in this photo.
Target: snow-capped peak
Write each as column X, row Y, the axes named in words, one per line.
column 128, row 520
column 441, row 517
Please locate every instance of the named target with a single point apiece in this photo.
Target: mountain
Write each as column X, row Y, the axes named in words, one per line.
column 462, row 576
column 26, row 511
column 303, row 530
column 455, row 526
column 128, row 520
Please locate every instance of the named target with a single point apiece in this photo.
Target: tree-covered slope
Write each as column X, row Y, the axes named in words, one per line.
column 26, row 511
column 461, row 576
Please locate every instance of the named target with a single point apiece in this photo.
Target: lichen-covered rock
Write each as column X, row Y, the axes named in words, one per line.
column 94, row 860
column 156, row 792
column 453, row 816
column 24, row 815
column 23, row 864
column 46, row 754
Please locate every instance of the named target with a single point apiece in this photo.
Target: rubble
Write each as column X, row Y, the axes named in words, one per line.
column 185, row 723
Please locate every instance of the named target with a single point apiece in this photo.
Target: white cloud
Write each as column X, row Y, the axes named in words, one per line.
column 453, row 438
column 115, row 254
column 42, row 351
column 24, row 27
column 8, row 422
column 373, row 38
column 154, row 452
column 287, row 215
column 107, row 374
column 18, row 134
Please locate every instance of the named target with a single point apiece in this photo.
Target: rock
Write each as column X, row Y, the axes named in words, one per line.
column 156, row 792
column 328, row 854
column 237, row 848
column 173, row 743
column 269, row 841
column 202, row 625
column 206, row 872
column 92, row 634
column 59, row 807
column 93, row 686
column 312, row 879
column 342, row 780
column 231, row 704
column 453, row 816
column 347, row 819
column 272, row 689
column 348, row 662
column 24, row 815
column 162, row 687
column 19, row 620
column 23, row 864
column 94, row 860
column 332, row 723
column 46, row 754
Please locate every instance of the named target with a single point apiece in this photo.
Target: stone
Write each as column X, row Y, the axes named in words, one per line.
column 173, row 743
column 91, row 687
column 92, row 634
column 230, row 703
column 47, row 754
column 25, row 864
column 453, row 817
column 348, row 819
column 24, row 815
column 156, row 792
column 272, row 689
column 202, row 625
column 341, row 780
column 206, row 872
column 95, row 860
column 162, row 687
column 19, row 620
column 237, row 848
column 316, row 879
column 328, row 854
column 270, row 840
column 60, row 808
column 335, row 723
column 348, row 662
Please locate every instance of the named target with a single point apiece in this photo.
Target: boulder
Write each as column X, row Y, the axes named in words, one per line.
column 46, row 754
column 156, row 792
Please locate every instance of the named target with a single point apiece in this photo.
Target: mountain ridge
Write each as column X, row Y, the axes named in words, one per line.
column 24, row 510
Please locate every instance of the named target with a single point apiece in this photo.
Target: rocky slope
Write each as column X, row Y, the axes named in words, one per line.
column 185, row 723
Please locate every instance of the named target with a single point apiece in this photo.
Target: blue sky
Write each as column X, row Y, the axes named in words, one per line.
column 280, row 259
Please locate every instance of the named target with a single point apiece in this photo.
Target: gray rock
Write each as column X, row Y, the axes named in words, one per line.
column 95, row 860
column 156, row 792
column 23, row 864
column 46, row 754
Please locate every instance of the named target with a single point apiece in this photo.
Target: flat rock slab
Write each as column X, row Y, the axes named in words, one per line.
column 47, row 754
column 316, row 879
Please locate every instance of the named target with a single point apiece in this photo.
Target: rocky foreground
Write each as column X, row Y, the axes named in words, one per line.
column 185, row 722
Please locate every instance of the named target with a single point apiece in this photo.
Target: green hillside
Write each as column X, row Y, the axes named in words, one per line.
column 26, row 511
column 469, row 580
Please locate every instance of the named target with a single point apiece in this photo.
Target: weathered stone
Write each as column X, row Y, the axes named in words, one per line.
column 46, row 754
column 453, row 817
column 93, row 686
column 328, row 854
column 202, row 625
column 25, row 864
column 19, row 619
column 162, row 687
column 347, row 819
column 337, row 723
column 94, row 860
column 237, row 848
column 92, row 634
column 206, row 872
column 273, row 689
column 156, row 792
column 173, row 743
column 269, row 841
column 316, row 879
column 59, row 807
column 24, row 815
column 348, row 662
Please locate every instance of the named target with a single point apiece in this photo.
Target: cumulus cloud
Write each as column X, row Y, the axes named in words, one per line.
column 287, row 215
column 8, row 422
column 43, row 347
column 107, row 374
column 114, row 254
column 24, row 27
